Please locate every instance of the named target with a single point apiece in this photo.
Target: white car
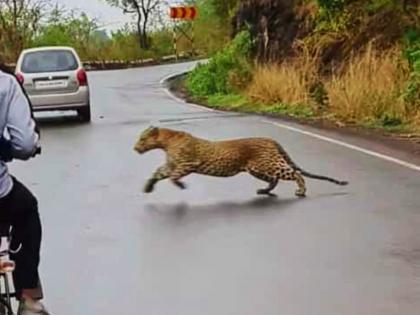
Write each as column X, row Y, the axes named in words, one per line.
column 54, row 79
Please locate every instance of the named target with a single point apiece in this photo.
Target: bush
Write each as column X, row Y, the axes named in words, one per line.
column 219, row 75
column 332, row 5
column 412, row 54
column 212, row 28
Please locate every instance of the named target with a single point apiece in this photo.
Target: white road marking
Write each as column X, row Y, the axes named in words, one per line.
column 347, row 145
column 178, row 99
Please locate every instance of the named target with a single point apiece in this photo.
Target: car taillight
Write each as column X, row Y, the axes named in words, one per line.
column 82, row 77
column 20, row 78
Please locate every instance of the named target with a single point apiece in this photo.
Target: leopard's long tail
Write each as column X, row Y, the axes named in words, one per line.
column 289, row 161
column 321, row 177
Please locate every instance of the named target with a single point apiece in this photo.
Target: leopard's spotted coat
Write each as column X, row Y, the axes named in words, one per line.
column 263, row 158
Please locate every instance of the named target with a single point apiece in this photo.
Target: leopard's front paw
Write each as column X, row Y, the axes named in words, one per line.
column 180, row 184
column 148, row 188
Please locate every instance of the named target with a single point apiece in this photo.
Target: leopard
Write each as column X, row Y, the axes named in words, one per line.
column 263, row 158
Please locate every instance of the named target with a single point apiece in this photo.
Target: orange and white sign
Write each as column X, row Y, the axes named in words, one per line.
column 183, row 13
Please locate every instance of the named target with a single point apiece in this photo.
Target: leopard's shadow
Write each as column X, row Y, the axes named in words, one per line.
column 257, row 206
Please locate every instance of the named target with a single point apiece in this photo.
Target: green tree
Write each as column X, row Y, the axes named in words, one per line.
column 19, row 21
column 225, row 9
column 124, row 45
column 67, row 29
column 212, row 28
column 143, row 10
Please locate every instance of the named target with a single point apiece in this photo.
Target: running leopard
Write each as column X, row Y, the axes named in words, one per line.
column 263, row 158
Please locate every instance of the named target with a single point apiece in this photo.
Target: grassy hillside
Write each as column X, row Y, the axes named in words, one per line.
column 349, row 61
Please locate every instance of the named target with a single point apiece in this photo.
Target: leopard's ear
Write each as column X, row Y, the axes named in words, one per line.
column 150, row 131
column 153, row 130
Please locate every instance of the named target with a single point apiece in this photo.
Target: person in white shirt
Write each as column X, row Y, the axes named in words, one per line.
column 18, row 206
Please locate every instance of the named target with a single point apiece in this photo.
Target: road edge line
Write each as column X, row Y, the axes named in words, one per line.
column 168, row 92
column 346, row 145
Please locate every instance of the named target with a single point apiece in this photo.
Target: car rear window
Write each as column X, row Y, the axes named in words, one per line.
column 49, row 61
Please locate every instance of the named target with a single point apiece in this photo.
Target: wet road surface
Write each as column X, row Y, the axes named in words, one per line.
column 215, row 248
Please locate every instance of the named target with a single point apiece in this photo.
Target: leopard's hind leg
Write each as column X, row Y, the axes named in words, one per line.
column 271, row 180
column 288, row 173
column 301, row 191
column 267, row 191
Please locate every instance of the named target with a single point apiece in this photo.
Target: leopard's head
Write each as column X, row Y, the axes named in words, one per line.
column 148, row 140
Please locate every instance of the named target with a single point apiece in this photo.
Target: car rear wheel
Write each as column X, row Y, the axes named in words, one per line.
column 84, row 113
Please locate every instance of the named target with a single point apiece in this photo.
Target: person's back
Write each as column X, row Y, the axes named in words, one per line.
column 18, row 206
column 17, row 123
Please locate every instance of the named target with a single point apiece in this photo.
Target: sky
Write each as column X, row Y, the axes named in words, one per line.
column 111, row 17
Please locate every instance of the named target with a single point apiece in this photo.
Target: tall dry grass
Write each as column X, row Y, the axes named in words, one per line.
column 370, row 87
column 284, row 83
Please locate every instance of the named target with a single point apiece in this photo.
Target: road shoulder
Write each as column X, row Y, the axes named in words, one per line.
column 405, row 148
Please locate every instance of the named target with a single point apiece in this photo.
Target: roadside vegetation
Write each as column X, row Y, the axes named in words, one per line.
column 34, row 23
column 350, row 63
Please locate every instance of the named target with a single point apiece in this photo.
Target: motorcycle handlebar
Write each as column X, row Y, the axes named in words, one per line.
column 38, row 151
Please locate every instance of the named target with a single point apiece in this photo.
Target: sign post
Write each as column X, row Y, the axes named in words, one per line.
column 183, row 25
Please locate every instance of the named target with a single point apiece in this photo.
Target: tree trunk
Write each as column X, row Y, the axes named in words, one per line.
column 144, row 43
column 141, row 31
column 144, row 33
column 138, row 24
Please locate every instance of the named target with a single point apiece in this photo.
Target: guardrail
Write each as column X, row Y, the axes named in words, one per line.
column 122, row 64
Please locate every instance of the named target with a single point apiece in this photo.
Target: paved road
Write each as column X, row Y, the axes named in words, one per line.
column 215, row 248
